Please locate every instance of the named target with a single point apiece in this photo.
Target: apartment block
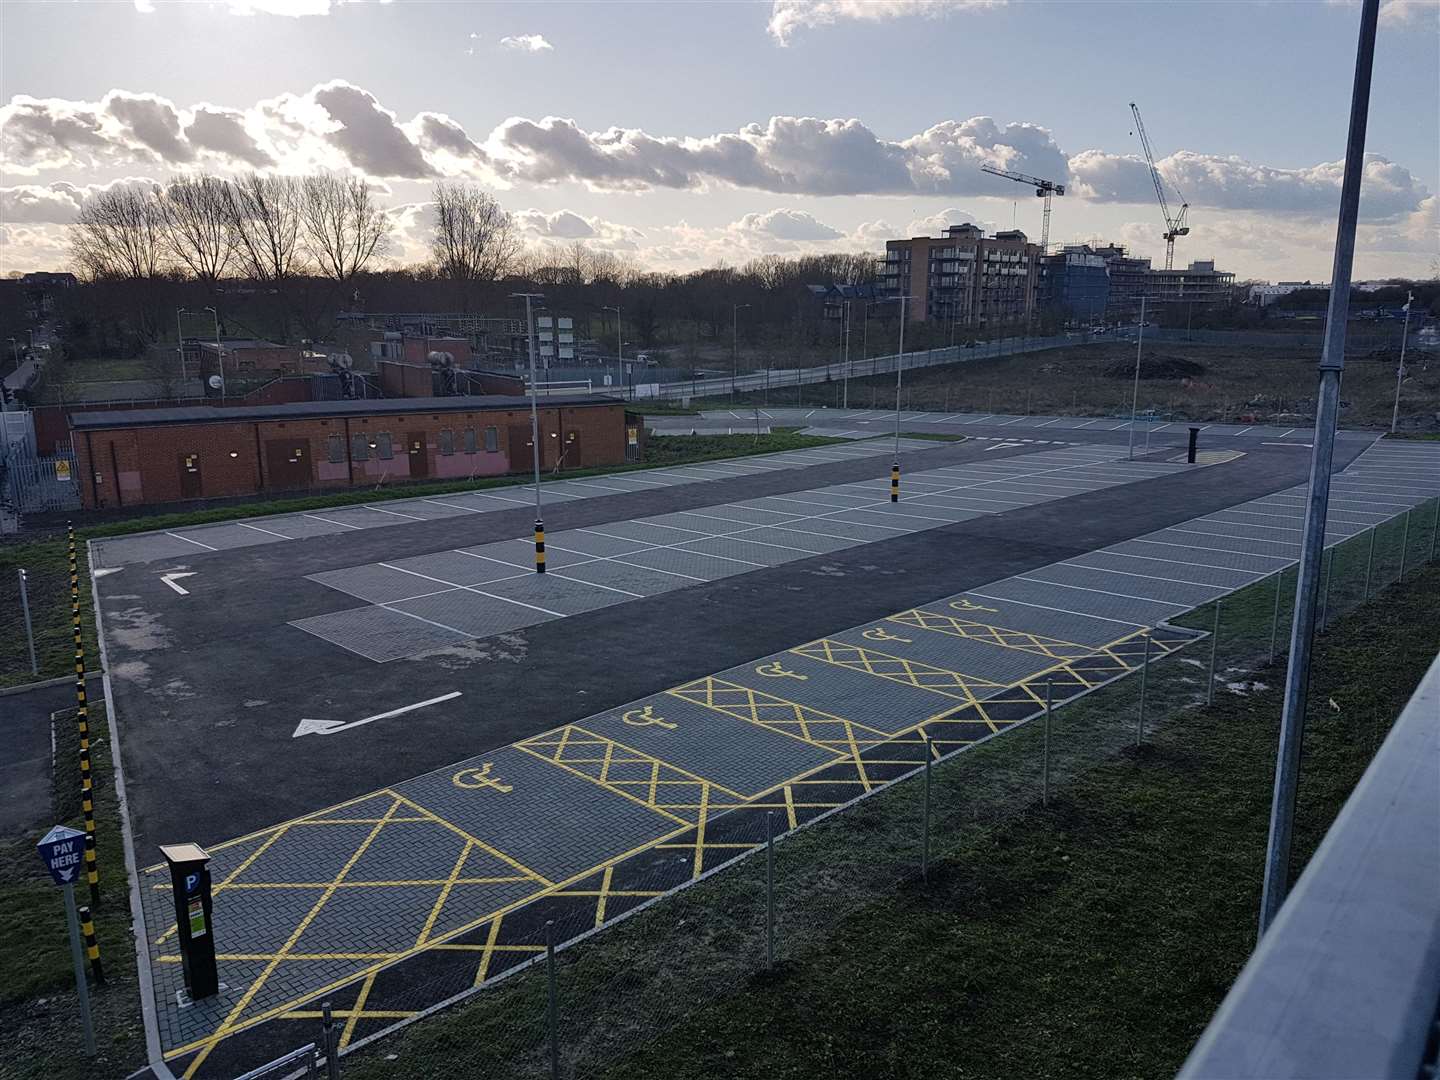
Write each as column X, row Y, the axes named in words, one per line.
column 964, row 277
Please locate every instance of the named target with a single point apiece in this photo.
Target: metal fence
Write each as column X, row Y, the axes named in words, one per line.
column 567, row 989
column 32, row 483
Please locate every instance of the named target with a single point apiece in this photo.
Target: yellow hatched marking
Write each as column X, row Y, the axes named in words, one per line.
column 1055, row 648
column 700, row 832
column 895, row 668
column 355, row 1013
column 822, row 729
column 301, row 927
column 483, row 969
column 790, row 806
column 532, row 875
column 604, row 895
column 444, row 894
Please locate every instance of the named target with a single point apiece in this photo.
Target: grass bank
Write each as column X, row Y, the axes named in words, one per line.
column 1092, row 936
column 38, row 1004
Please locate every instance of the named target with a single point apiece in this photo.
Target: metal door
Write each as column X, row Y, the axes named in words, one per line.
column 419, row 454
column 191, row 485
column 287, row 464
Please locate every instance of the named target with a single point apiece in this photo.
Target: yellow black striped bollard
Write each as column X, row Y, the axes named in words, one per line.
column 87, row 788
column 92, row 946
column 539, row 546
column 895, row 482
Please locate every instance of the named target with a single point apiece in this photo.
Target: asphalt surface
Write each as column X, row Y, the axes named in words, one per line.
column 210, row 686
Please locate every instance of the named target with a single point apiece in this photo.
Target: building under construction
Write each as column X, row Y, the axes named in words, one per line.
column 963, row 277
column 1090, row 283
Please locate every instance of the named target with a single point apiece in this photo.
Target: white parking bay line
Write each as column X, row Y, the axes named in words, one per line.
column 267, row 532
column 330, row 521
column 187, row 540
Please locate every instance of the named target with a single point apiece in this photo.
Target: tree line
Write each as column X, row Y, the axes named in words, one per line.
column 317, row 244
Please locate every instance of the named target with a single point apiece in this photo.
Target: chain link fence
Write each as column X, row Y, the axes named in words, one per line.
column 549, row 994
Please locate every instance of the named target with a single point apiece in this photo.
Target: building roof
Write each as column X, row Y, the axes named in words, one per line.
column 307, row 410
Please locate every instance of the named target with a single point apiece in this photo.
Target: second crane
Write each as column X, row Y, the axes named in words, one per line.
column 1174, row 223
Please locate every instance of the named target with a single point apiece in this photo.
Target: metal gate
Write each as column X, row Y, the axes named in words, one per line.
column 32, row 484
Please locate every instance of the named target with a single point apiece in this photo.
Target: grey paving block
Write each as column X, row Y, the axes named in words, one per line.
column 378, row 633
column 520, row 552
column 375, row 583
column 693, row 564
column 1148, row 588
column 803, row 536
column 618, row 575
column 744, row 550
column 1034, row 618
column 1176, row 567
column 1177, row 547
column 744, row 757
column 225, row 537
column 145, row 548
column 431, row 572
column 969, row 656
column 554, row 594
column 472, row 614
column 551, row 821
column 1216, row 540
column 1120, row 609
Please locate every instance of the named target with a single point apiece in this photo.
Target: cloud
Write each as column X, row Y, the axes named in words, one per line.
column 526, row 43
column 793, row 225
column 1388, row 191
column 338, row 125
column 294, row 9
column 564, row 227
column 786, row 155
column 54, row 204
column 1396, row 14
column 789, row 16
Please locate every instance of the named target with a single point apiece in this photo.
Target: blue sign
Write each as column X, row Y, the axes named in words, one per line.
column 63, row 851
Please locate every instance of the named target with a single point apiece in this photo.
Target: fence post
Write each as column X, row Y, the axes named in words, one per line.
column 332, row 1042
column 769, row 890
column 29, row 633
column 1405, row 545
column 1144, row 673
column 1045, row 760
column 925, row 816
column 551, row 1007
column 1275, row 615
column 1370, row 561
column 1214, row 648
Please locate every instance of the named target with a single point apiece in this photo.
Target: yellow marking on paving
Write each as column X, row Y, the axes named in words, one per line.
column 371, row 884
column 354, row 1018
column 898, row 669
column 700, row 832
column 167, row 959
column 600, row 782
column 458, row 831
column 822, row 729
column 790, row 806
column 295, row 935
column 444, row 894
column 484, row 967
column 1055, row 648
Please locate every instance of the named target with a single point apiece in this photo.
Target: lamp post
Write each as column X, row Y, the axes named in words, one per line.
column 846, row 402
column 534, row 424
column 735, row 344
column 219, row 350
column 1400, row 371
column 1135, row 394
column 619, row 338
column 899, row 368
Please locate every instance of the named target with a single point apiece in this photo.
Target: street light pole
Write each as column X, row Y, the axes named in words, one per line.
column 1400, row 371
column 619, row 339
column 899, row 367
column 846, row 402
column 219, row 350
column 1312, row 544
column 735, row 344
column 534, row 426
column 1135, row 396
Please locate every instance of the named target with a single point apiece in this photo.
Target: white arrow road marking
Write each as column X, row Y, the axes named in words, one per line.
column 329, row 727
column 1002, row 446
column 169, row 579
column 102, row 571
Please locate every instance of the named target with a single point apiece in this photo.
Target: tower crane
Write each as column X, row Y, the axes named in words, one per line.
column 1174, row 225
column 1043, row 188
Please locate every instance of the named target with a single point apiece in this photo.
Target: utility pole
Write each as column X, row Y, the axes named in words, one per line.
column 1400, row 371
column 1312, row 545
column 845, row 403
column 620, row 340
column 735, row 344
column 534, row 425
column 899, row 368
column 1135, row 395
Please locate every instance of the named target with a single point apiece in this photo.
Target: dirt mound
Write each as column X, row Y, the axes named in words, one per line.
column 1155, row 367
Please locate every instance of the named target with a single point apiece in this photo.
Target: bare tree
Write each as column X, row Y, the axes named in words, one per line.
column 344, row 228
column 199, row 231
column 474, row 239
column 266, row 220
column 119, row 234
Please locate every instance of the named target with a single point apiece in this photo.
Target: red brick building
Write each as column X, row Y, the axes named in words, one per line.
column 146, row 456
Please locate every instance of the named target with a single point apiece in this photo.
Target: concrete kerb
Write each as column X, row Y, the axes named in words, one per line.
column 754, row 850
column 153, row 1052
column 42, row 684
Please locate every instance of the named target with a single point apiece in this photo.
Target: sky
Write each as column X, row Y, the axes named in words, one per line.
column 690, row 134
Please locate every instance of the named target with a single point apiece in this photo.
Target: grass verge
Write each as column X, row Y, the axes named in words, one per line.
column 39, row 1010
column 47, row 569
column 1090, row 937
